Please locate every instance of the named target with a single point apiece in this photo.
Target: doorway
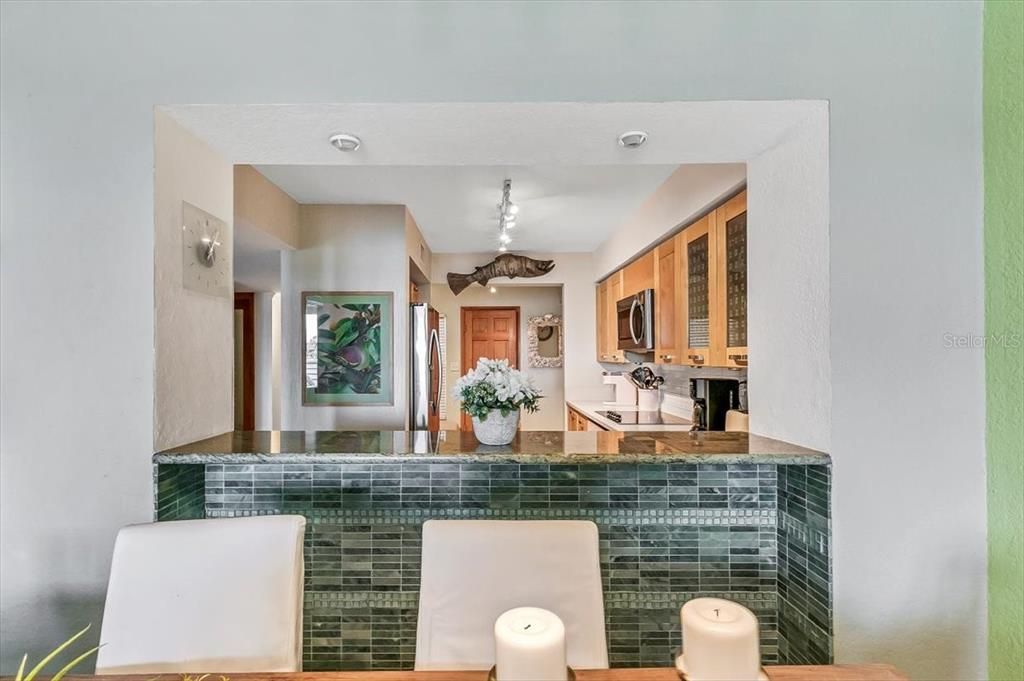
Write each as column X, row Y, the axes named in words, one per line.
column 491, row 332
column 245, row 361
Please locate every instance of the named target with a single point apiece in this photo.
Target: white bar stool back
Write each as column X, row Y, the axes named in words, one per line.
column 220, row 595
column 474, row 570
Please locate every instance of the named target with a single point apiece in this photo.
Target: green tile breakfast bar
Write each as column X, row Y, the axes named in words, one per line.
column 680, row 515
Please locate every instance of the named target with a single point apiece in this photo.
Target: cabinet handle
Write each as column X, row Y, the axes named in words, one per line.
column 739, row 359
column 696, row 359
column 667, row 358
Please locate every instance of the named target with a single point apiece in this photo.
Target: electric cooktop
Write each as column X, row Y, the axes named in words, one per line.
column 639, row 418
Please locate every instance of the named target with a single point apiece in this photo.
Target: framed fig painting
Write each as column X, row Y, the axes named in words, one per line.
column 348, row 348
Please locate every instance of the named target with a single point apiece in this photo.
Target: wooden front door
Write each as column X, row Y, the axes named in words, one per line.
column 491, row 332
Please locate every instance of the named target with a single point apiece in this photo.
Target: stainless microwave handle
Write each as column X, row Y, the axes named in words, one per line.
column 632, row 310
column 435, row 343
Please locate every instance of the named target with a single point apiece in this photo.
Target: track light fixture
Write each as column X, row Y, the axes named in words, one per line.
column 507, row 213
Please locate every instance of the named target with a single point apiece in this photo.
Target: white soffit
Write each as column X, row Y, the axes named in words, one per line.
column 501, row 134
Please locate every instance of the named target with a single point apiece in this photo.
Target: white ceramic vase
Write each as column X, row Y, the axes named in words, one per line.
column 496, row 429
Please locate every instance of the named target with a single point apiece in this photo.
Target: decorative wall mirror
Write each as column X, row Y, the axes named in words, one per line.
column 546, row 342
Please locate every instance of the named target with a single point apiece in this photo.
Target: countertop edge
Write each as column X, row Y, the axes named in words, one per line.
column 491, row 457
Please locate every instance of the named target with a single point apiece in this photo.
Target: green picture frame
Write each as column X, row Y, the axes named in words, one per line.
column 348, row 348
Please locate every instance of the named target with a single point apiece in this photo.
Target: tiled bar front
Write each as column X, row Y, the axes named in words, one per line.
column 752, row 532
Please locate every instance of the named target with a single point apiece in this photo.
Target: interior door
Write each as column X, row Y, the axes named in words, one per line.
column 245, row 360
column 491, row 332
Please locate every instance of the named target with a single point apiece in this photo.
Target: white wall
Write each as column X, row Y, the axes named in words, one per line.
column 903, row 85
column 532, row 301
column 275, row 363
column 344, row 248
column 686, row 194
column 194, row 332
column 789, row 398
column 575, row 273
column 266, row 350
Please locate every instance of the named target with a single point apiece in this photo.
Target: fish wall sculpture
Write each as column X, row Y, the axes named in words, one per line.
column 505, row 265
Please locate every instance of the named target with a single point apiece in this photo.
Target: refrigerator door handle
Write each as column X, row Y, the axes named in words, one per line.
column 435, row 345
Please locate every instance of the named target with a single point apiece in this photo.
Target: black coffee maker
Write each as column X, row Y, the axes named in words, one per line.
column 712, row 397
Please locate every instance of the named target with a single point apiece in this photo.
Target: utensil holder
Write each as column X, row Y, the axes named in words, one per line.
column 648, row 400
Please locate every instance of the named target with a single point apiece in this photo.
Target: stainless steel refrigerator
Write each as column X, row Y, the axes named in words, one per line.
column 425, row 367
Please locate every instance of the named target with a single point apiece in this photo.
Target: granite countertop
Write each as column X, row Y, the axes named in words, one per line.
column 591, row 409
column 545, row 447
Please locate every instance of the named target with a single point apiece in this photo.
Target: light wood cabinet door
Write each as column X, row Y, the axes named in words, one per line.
column 606, row 340
column 615, row 294
column 667, row 308
column 731, row 231
column 579, row 422
column 638, row 275
column 700, row 269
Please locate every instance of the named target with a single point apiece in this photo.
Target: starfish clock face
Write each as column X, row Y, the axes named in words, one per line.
column 206, row 252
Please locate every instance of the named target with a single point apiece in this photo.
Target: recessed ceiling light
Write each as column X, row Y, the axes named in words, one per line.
column 345, row 142
column 632, row 139
column 494, row 289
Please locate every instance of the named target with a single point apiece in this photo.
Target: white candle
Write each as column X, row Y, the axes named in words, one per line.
column 720, row 641
column 529, row 645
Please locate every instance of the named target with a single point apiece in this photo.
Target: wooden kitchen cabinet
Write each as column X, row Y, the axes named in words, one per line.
column 602, row 322
column 578, row 422
column 638, row 275
column 609, row 292
column 700, row 303
column 731, row 243
column 667, row 308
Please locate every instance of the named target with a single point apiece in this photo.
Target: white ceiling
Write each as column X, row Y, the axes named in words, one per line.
column 562, row 208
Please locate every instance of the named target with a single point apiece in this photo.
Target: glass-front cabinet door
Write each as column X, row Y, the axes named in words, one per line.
column 699, row 290
column 731, row 226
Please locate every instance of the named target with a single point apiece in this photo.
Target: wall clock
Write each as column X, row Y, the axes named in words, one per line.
column 206, row 252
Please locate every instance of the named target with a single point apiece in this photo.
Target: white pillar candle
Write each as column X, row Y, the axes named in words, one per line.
column 721, row 641
column 529, row 645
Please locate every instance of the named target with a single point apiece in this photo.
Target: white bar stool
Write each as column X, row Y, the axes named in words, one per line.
column 219, row 595
column 474, row 570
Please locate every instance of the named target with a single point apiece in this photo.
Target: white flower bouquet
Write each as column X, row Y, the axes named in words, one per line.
column 494, row 385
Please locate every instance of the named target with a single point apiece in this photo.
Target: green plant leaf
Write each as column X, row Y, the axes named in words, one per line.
column 74, row 663
column 343, row 327
column 321, row 318
column 21, row 668
column 55, row 653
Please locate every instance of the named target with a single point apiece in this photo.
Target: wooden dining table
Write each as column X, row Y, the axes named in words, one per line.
column 839, row 672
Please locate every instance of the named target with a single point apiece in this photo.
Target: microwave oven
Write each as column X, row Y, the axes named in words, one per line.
column 634, row 322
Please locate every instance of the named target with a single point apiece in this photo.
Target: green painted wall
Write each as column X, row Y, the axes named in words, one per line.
column 1004, row 327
